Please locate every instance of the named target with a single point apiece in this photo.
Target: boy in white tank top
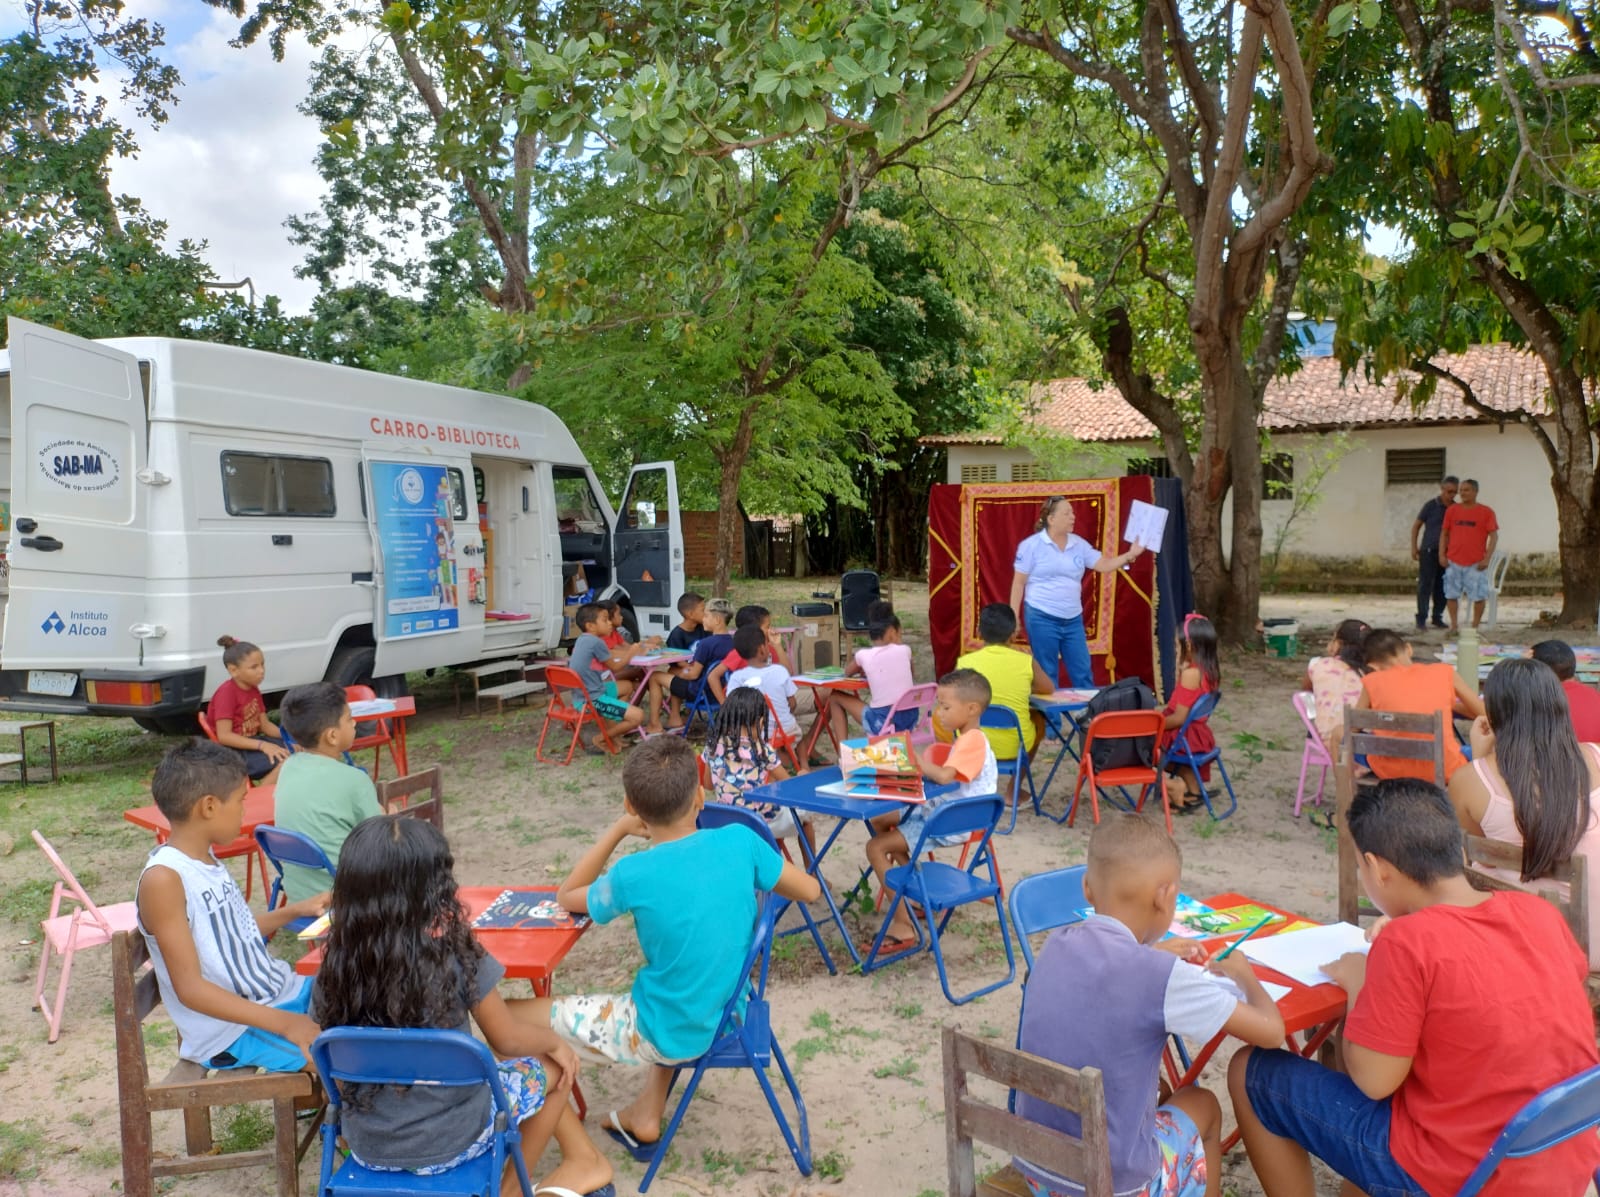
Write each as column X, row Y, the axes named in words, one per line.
column 234, row 1004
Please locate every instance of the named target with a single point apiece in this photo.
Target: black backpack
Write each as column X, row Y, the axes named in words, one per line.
column 1130, row 694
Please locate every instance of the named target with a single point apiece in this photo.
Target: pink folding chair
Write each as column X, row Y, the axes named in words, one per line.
column 89, row 926
column 1314, row 753
column 921, row 700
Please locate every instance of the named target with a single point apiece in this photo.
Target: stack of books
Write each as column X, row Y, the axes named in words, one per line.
column 884, row 768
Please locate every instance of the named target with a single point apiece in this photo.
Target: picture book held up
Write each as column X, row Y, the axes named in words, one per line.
column 882, row 768
column 1147, row 524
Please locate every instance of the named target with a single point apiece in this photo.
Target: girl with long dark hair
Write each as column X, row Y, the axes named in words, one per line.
column 738, row 758
column 1198, row 673
column 1531, row 782
column 401, row 954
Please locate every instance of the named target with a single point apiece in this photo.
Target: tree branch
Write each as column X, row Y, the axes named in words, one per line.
column 1501, row 418
column 1140, row 391
column 1291, row 257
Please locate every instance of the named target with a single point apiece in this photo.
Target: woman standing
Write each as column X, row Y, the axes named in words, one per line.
column 1047, row 590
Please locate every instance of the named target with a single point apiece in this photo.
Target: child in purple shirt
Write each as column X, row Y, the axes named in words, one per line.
column 1127, row 990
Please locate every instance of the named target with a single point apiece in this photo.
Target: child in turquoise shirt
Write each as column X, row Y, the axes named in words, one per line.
column 693, row 897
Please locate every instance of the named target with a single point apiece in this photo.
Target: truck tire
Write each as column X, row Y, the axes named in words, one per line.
column 169, row 725
column 630, row 621
column 353, row 667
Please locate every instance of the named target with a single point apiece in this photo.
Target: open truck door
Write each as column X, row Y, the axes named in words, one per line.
column 77, row 554
column 428, row 560
column 647, row 546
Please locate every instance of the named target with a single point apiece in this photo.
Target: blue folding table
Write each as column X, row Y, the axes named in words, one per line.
column 799, row 794
column 1059, row 722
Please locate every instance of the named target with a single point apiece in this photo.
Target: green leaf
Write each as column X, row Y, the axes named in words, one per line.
column 1462, row 231
column 1371, row 12
column 971, row 13
column 1341, row 18
column 1528, row 236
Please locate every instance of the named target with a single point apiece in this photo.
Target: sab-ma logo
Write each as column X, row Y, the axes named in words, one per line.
column 79, row 465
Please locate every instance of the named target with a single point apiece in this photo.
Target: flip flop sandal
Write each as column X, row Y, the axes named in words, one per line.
column 888, row 947
column 605, row 1190
column 643, row 1152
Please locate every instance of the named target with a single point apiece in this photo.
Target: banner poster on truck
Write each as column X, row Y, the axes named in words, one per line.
column 417, row 538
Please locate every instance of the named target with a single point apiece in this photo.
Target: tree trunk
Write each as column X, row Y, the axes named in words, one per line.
column 1580, row 557
column 730, row 529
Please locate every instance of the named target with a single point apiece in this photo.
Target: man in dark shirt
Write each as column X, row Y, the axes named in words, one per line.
column 1430, row 574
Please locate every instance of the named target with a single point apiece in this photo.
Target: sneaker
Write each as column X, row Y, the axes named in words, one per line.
column 1421, row 626
column 1439, row 623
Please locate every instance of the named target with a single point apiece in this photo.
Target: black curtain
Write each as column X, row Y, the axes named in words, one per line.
column 1173, row 577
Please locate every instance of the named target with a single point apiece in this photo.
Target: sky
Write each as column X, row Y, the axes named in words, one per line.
column 235, row 158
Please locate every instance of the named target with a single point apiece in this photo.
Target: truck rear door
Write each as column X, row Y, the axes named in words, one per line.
column 647, row 546
column 77, row 551
column 424, row 519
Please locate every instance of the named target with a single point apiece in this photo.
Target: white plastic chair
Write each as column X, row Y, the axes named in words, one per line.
column 1315, row 751
column 1498, row 564
column 89, row 926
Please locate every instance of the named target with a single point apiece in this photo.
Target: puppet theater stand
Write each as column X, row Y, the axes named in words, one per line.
column 1131, row 616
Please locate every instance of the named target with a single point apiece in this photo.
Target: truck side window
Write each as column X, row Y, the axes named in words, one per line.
column 458, row 494
column 276, row 485
column 577, row 510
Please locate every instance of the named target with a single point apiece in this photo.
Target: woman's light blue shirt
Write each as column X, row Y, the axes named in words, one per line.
column 1055, row 576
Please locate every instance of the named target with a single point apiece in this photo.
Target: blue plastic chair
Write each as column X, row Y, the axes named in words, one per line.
column 282, row 847
column 1018, row 768
column 703, row 703
column 744, row 1040
column 939, row 888
column 1179, row 753
column 1565, row 1109
column 390, row 1056
column 723, row 814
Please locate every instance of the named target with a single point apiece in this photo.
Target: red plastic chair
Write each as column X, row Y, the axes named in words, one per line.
column 374, row 740
column 574, row 712
column 786, row 743
column 245, row 845
column 67, row 933
column 1121, row 725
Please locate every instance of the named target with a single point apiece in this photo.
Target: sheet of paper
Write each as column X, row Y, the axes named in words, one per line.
column 1147, row 524
column 372, row 706
column 1301, row 954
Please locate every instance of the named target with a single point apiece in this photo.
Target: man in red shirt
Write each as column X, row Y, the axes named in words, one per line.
column 1583, row 702
column 1466, row 543
column 1469, row 1005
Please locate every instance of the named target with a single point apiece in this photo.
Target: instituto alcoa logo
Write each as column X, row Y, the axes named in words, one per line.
column 84, row 623
column 52, row 623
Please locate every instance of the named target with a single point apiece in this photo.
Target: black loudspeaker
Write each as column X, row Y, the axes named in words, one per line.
column 858, row 590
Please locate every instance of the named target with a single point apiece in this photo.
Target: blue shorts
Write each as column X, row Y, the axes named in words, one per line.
column 1466, row 582
column 1330, row 1117
column 257, row 764
column 911, row 827
column 872, row 719
column 264, row 1050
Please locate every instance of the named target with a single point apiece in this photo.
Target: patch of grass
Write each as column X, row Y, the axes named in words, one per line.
column 1207, row 827
column 103, row 1156
column 20, row 1143
column 243, row 1128
column 903, row 1069
column 29, row 901
column 908, row 1010
column 717, row 1162
column 989, row 1031
column 832, row 1166
column 821, row 1020
column 159, row 1034
column 9, row 1055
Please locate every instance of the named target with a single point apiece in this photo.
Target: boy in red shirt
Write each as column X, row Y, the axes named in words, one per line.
column 1466, row 543
column 1583, row 701
column 1469, row 1005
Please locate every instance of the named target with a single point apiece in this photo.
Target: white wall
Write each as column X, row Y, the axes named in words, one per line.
column 1358, row 515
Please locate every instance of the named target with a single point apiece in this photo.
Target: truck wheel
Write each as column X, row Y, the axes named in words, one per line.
column 631, row 622
column 169, row 725
column 353, row 667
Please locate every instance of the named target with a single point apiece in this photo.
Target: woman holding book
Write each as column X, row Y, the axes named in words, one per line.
column 1047, row 590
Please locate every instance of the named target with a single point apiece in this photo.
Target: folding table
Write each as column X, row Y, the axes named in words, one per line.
column 822, row 692
column 800, row 795
column 1057, row 712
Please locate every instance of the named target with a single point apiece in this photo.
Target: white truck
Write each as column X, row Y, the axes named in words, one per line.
column 158, row 493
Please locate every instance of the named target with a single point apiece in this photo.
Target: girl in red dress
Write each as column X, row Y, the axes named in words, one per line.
column 1198, row 674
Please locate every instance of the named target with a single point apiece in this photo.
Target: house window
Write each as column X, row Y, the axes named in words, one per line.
column 1277, row 476
column 1149, row 467
column 1027, row 471
column 980, row 473
column 266, row 484
column 1402, row 467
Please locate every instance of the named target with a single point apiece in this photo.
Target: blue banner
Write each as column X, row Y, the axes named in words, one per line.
column 417, row 538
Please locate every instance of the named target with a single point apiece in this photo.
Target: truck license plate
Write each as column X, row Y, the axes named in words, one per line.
column 59, row 685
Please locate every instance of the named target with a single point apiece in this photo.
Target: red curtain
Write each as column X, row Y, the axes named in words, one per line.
column 973, row 531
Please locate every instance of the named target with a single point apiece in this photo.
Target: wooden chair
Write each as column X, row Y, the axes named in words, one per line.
column 395, row 796
column 1368, row 734
column 188, row 1088
column 1503, row 854
column 1086, row 1160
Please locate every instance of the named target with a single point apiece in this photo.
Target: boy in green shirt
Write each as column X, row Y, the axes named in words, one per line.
column 321, row 796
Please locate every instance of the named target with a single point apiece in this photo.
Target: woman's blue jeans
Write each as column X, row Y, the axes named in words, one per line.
column 1055, row 640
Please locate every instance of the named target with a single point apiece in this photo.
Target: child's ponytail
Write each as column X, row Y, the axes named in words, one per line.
column 235, row 652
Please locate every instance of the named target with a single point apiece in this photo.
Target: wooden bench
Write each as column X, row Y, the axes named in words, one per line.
column 1086, row 1160
column 189, row 1088
column 518, row 687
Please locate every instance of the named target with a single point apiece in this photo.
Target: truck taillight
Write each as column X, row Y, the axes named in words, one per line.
column 123, row 694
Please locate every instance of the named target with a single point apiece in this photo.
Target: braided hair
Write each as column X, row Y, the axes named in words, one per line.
column 742, row 716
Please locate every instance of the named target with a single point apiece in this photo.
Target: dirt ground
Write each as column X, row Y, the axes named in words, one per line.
column 866, row 1049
